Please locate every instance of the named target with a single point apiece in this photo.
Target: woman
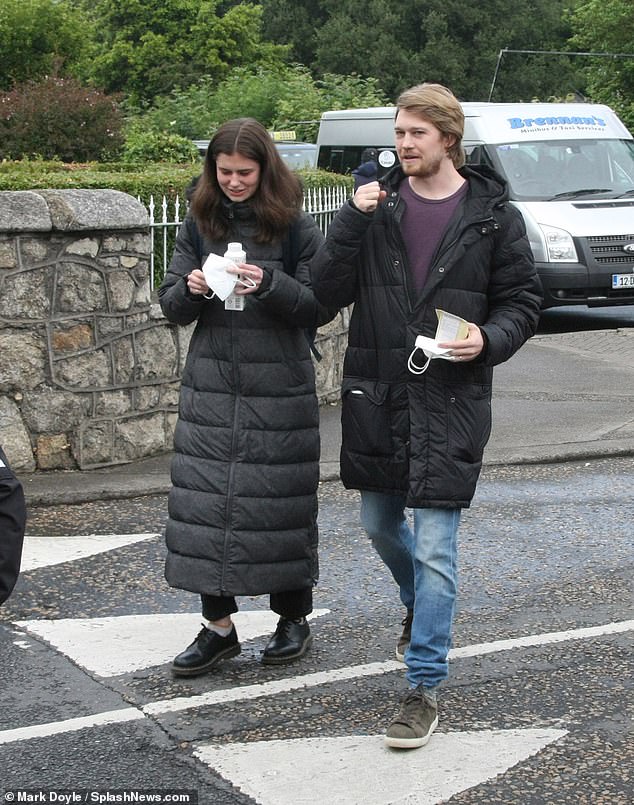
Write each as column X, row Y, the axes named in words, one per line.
column 243, row 506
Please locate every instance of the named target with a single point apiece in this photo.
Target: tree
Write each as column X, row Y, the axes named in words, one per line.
column 403, row 43
column 38, row 38
column 296, row 23
column 607, row 26
column 150, row 47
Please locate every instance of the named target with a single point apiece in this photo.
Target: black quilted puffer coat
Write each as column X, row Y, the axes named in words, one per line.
column 424, row 435
column 243, row 505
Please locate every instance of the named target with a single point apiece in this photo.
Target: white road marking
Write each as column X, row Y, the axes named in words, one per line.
column 70, row 725
column 46, row 551
column 543, row 639
column 119, row 645
column 357, row 769
column 271, row 688
column 245, row 692
column 372, row 669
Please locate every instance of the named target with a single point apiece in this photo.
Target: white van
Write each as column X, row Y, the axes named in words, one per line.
column 570, row 171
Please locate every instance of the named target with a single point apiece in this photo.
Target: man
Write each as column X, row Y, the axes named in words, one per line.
column 434, row 235
column 12, row 527
column 368, row 170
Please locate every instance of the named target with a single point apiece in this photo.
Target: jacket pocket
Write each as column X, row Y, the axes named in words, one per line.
column 468, row 421
column 365, row 417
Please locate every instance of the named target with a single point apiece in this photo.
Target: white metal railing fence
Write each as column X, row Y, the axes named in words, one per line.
column 167, row 215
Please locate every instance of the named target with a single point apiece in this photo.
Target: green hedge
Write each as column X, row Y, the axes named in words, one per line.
column 158, row 179
column 137, row 180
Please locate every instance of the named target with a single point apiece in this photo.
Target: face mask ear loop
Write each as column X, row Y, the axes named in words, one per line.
column 413, row 367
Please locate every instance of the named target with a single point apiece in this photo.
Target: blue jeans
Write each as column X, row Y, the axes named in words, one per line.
column 423, row 562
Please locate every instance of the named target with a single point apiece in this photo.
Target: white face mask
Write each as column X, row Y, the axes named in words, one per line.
column 450, row 328
column 218, row 278
column 431, row 349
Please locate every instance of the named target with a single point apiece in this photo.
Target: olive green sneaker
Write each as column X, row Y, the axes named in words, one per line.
column 406, row 636
column 415, row 722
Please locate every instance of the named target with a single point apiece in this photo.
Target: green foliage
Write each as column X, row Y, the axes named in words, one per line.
column 159, row 179
column 58, row 117
column 607, row 26
column 151, row 146
column 38, row 38
column 186, row 112
column 350, row 90
column 296, row 23
column 314, row 178
column 308, row 101
column 142, row 180
column 283, row 97
column 150, row 48
column 450, row 41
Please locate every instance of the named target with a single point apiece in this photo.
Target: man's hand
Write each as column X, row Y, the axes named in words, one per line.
column 468, row 348
column 368, row 197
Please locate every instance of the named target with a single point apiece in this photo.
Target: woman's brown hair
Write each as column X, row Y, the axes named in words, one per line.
column 279, row 196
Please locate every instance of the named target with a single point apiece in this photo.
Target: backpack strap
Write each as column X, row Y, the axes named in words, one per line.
column 290, row 258
column 290, row 248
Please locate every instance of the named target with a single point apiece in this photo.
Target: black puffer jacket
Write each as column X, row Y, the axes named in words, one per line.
column 243, row 507
column 12, row 527
column 424, row 435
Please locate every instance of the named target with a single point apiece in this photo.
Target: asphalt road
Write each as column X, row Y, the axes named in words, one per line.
column 539, row 706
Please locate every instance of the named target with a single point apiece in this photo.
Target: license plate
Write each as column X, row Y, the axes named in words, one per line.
column 622, row 281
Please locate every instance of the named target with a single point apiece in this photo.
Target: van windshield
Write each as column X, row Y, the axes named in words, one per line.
column 544, row 170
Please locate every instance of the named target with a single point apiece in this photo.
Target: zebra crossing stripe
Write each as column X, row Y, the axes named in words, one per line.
column 307, row 680
column 46, row 551
column 360, row 769
column 70, row 725
column 245, row 692
column 372, row 669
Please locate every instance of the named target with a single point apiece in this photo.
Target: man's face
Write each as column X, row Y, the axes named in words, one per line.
column 420, row 146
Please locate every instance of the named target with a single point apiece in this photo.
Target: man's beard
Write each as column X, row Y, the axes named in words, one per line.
column 425, row 169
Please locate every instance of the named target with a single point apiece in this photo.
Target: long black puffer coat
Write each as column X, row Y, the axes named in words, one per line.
column 12, row 527
column 424, row 435
column 243, row 505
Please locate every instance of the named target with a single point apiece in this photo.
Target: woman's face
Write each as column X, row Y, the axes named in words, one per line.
column 238, row 176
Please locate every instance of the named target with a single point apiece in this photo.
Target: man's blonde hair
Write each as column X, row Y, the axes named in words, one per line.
column 439, row 106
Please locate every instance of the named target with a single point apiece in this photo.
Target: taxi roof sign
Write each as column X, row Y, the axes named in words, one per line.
column 288, row 134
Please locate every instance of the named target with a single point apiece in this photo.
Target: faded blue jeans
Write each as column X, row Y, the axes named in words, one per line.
column 423, row 562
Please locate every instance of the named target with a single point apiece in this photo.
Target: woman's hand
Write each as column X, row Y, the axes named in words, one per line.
column 250, row 275
column 196, row 283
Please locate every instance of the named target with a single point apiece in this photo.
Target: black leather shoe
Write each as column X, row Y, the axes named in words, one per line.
column 290, row 642
column 207, row 650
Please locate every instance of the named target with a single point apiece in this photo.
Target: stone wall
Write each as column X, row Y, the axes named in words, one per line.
column 89, row 368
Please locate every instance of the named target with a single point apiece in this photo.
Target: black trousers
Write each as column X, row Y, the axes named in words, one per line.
column 291, row 604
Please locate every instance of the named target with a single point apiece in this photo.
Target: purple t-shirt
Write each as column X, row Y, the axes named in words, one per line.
column 423, row 224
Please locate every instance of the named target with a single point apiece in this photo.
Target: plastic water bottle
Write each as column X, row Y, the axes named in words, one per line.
column 236, row 254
